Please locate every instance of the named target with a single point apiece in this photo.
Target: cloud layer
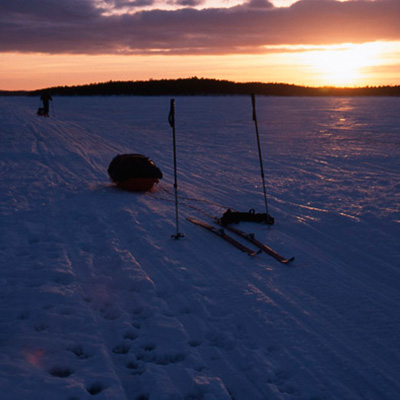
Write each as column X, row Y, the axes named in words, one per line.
column 90, row 27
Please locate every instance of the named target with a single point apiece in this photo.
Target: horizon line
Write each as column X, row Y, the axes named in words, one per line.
column 195, row 78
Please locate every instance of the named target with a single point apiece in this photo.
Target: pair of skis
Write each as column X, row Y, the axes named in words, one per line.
column 247, row 236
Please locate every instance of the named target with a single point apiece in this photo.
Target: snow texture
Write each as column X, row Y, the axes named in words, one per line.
column 98, row 302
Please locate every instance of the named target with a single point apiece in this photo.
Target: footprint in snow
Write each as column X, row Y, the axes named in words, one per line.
column 130, row 335
column 61, row 372
column 143, row 397
column 167, row 359
column 151, row 356
column 87, row 299
column 111, row 314
column 24, row 315
column 121, row 348
column 136, row 367
column 63, row 278
column 147, row 355
column 136, row 325
column 95, row 388
column 149, row 347
column 79, row 352
column 195, row 343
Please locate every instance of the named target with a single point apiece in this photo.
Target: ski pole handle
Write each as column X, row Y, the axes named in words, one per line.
column 171, row 116
column 253, row 101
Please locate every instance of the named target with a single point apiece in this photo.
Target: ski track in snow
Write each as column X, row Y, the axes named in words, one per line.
column 97, row 300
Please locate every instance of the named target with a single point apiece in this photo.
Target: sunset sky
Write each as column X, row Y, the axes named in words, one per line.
column 47, row 43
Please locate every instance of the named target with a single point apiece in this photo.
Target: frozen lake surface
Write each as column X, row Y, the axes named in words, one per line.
column 97, row 300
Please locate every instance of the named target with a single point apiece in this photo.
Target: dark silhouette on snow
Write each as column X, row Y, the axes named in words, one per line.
column 45, row 98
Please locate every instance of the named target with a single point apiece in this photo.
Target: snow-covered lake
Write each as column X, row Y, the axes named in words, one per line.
column 98, row 302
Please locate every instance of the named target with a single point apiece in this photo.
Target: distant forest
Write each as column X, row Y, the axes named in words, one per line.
column 204, row 87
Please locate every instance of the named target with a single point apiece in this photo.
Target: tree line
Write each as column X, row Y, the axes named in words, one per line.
column 205, row 87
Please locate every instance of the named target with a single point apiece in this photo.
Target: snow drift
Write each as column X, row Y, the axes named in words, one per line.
column 98, row 302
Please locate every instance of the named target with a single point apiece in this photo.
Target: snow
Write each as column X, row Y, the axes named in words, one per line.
column 97, row 300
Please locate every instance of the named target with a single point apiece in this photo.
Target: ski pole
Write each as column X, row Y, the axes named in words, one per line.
column 171, row 120
column 253, row 100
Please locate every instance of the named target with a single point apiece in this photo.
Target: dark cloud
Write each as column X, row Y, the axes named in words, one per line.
column 45, row 10
column 82, row 27
column 189, row 3
column 258, row 4
column 132, row 4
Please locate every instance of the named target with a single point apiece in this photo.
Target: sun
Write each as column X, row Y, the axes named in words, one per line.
column 343, row 65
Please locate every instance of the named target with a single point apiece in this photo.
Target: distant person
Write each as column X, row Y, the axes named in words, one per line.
column 45, row 97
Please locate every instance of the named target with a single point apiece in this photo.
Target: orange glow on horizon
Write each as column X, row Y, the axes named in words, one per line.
column 345, row 65
column 372, row 64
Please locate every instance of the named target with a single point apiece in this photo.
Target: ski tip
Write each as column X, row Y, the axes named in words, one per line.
column 255, row 253
column 287, row 261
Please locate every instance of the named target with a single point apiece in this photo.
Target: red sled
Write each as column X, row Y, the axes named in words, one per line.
column 134, row 172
